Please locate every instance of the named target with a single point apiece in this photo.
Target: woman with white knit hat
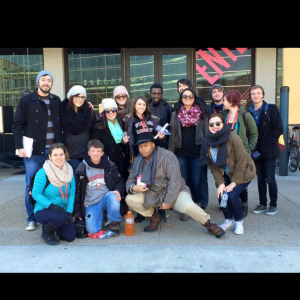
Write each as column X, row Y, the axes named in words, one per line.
column 122, row 98
column 77, row 120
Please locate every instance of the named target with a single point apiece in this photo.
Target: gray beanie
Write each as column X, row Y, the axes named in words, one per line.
column 216, row 86
column 108, row 103
column 120, row 90
column 75, row 90
column 43, row 73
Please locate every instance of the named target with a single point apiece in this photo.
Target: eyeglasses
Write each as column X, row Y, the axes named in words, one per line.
column 188, row 96
column 121, row 96
column 108, row 111
column 80, row 97
column 217, row 124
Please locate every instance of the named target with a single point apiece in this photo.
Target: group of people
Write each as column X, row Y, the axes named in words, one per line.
column 92, row 167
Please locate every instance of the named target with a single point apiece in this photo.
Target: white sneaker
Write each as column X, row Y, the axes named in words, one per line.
column 228, row 224
column 31, row 226
column 239, row 229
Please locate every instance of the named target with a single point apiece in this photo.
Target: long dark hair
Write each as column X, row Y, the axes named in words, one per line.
column 147, row 112
column 179, row 104
column 104, row 124
column 71, row 106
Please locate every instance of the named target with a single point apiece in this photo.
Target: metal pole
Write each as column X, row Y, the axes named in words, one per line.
column 284, row 113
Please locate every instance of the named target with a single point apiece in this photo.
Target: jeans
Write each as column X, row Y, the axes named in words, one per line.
column 65, row 232
column 195, row 176
column 265, row 171
column 233, row 210
column 94, row 213
column 32, row 164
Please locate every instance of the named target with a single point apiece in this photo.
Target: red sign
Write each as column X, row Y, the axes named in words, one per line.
column 217, row 58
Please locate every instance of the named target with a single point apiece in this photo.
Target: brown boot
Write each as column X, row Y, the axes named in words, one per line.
column 115, row 227
column 214, row 229
column 154, row 222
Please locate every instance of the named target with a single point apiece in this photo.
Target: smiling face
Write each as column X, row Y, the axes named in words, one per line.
column 188, row 98
column 58, row 157
column 257, row 96
column 215, row 125
column 78, row 100
column 156, row 95
column 95, row 154
column 121, row 100
column 217, row 95
column 140, row 106
column 45, row 84
column 182, row 87
column 111, row 113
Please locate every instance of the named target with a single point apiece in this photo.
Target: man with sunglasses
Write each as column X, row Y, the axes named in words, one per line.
column 37, row 117
column 160, row 108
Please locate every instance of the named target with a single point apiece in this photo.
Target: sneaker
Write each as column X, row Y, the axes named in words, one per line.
column 271, row 211
column 184, row 217
column 31, row 226
column 115, row 227
column 228, row 224
column 259, row 209
column 239, row 229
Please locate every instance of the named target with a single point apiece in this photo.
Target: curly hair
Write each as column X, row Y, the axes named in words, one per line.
column 234, row 97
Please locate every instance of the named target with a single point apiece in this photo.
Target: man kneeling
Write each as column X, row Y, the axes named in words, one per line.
column 100, row 189
column 155, row 182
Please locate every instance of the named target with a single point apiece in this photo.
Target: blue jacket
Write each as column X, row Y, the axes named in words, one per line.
column 52, row 194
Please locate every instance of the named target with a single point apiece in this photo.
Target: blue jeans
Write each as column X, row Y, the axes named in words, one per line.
column 94, row 213
column 233, row 210
column 195, row 176
column 32, row 164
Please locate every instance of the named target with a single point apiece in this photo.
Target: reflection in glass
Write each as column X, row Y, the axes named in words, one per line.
column 141, row 75
column 174, row 68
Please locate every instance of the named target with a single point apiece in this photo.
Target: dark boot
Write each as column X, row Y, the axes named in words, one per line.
column 48, row 234
column 115, row 227
column 214, row 229
column 154, row 222
column 245, row 209
column 162, row 213
column 139, row 218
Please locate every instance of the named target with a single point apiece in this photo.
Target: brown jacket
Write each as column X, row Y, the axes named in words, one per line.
column 168, row 180
column 242, row 166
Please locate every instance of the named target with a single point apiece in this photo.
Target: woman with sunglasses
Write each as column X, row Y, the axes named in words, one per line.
column 244, row 125
column 232, row 168
column 77, row 121
column 122, row 98
column 188, row 128
column 54, row 193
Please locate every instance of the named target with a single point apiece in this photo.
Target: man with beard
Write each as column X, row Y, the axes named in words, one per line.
column 37, row 117
column 217, row 93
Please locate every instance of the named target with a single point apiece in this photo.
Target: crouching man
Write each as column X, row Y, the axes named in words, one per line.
column 100, row 189
column 155, row 182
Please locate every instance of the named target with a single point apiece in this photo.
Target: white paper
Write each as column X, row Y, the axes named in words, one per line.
column 27, row 145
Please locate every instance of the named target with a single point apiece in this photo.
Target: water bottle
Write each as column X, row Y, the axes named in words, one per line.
column 166, row 131
column 224, row 199
column 129, row 224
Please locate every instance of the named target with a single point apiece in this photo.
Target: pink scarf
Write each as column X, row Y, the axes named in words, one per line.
column 189, row 118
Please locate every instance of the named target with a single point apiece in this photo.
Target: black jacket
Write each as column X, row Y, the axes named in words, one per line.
column 270, row 128
column 31, row 120
column 112, row 177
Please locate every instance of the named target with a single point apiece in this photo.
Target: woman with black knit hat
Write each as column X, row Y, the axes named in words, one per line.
column 77, row 120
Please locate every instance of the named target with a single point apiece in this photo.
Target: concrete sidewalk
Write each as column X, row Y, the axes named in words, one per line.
column 269, row 244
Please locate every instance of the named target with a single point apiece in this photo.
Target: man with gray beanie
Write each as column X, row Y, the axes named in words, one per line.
column 217, row 93
column 37, row 117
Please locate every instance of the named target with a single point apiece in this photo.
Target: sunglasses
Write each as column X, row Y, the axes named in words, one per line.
column 188, row 96
column 217, row 124
column 121, row 96
column 108, row 111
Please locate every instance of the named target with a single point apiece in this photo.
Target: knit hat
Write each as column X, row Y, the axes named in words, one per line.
column 75, row 90
column 108, row 103
column 43, row 73
column 120, row 90
column 216, row 86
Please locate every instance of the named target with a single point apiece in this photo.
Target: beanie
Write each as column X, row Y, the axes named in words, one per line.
column 75, row 90
column 216, row 86
column 43, row 73
column 108, row 103
column 120, row 90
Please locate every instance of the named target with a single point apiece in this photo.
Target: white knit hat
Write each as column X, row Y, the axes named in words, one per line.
column 120, row 90
column 75, row 90
column 109, row 103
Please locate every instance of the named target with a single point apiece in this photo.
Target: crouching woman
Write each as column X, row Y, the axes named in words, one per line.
column 54, row 193
column 231, row 166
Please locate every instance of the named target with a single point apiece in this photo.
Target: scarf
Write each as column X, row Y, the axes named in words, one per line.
column 116, row 131
column 148, row 174
column 217, row 140
column 189, row 118
column 75, row 123
column 58, row 177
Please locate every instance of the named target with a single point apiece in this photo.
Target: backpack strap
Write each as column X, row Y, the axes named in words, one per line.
column 245, row 122
column 267, row 112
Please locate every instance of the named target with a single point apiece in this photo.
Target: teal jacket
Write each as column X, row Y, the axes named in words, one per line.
column 249, row 143
column 52, row 194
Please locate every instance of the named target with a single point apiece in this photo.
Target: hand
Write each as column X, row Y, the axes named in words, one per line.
column 140, row 188
column 165, row 206
column 161, row 135
column 22, row 153
column 126, row 139
column 230, row 187
column 91, row 105
column 56, row 208
column 221, row 190
column 118, row 195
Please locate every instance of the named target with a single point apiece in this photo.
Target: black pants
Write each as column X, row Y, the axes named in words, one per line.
column 265, row 171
